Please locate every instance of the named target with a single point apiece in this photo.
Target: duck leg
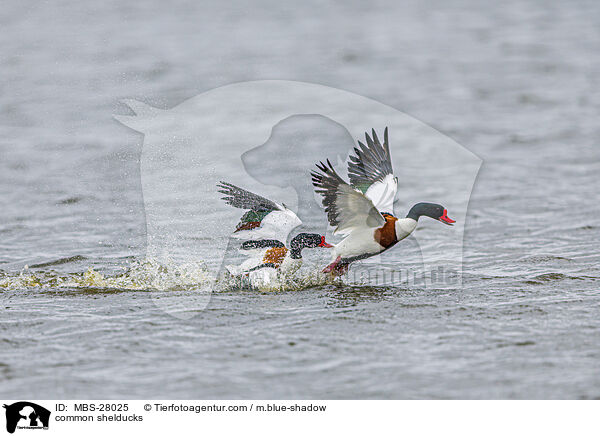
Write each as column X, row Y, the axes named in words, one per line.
column 329, row 268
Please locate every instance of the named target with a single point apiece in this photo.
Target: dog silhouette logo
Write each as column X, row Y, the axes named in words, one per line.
column 26, row 415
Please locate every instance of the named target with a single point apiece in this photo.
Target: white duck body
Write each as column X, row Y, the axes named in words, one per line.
column 362, row 243
column 266, row 277
column 256, row 258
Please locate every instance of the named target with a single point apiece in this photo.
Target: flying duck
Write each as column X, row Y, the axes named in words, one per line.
column 363, row 210
column 264, row 228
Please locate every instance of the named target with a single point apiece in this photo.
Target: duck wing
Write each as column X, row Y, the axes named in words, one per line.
column 242, row 199
column 347, row 208
column 264, row 220
column 370, row 171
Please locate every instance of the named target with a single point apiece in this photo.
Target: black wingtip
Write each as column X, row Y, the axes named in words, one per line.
column 375, row 138
column 369, row 140
column 224, row 188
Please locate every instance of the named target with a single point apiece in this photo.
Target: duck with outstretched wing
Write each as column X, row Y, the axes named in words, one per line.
column 265, row 228
column 363, row 210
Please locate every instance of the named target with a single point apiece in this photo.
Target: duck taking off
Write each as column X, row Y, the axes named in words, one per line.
column 363, row 210
column 264, row 228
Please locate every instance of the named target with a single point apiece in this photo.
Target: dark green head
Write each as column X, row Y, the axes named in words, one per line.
column 432, row 210
column 306, row 240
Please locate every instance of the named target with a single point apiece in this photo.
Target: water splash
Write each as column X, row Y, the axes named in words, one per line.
column 303, row 279
column 139, row 275
column 160, row 275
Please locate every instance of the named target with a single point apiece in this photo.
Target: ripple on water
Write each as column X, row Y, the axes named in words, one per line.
column 545, row 259
column 556, row 277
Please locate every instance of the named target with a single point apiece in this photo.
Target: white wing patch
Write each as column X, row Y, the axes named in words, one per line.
column 276, row 225
column 383, row 193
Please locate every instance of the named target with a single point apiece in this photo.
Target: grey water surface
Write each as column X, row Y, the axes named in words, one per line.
column 516, row 82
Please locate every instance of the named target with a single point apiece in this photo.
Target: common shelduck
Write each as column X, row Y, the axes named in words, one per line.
column 265, row 228
column 363, row 210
